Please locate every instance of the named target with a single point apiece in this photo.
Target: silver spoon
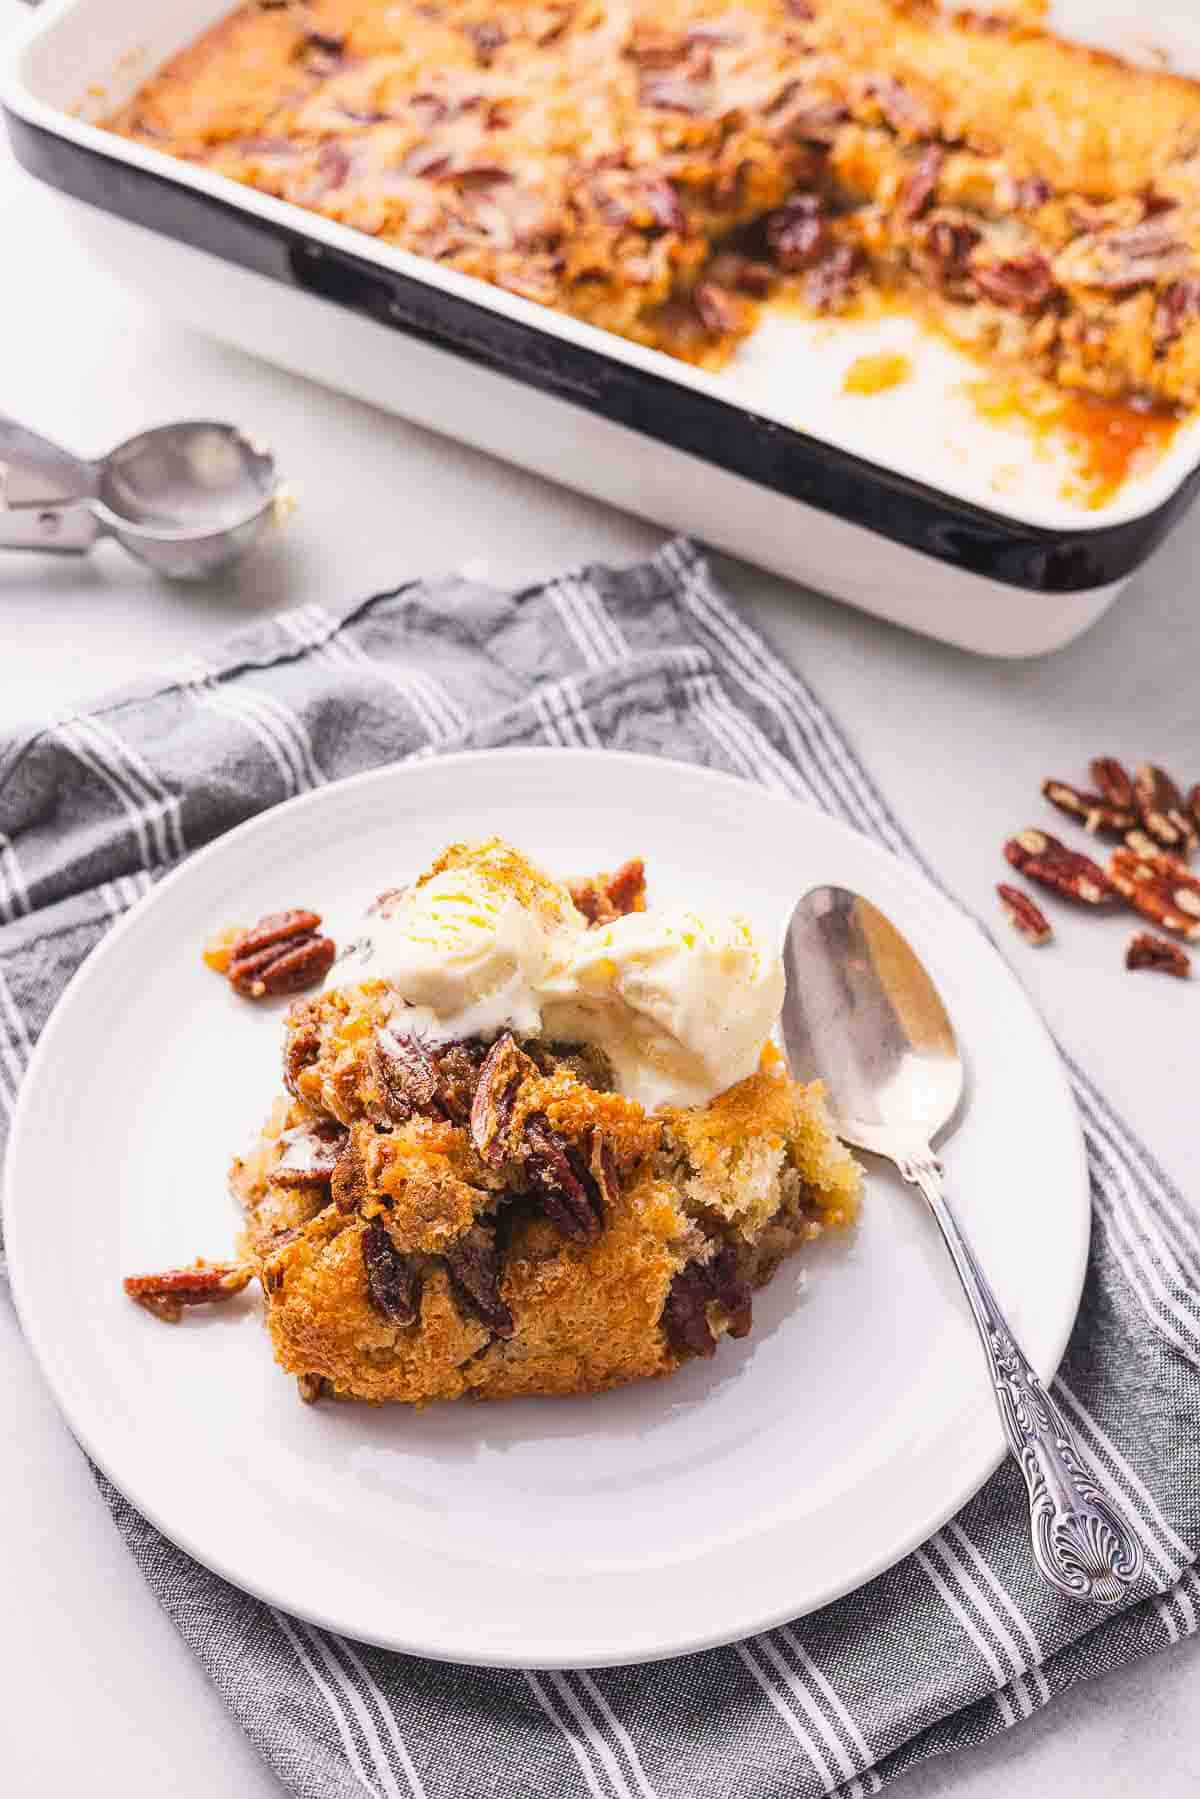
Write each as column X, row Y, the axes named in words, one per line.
column 862, row 1015
column 190, row 500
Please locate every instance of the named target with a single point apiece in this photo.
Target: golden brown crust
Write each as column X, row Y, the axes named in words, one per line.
column 1042, row 200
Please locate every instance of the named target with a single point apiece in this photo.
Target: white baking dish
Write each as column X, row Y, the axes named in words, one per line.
column 908, row 504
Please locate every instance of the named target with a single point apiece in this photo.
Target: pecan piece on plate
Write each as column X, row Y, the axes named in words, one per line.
column 393, row 1281
column 282, row 953
column 685, row 1318
column 1114, row 782
column 1093, row 811
column 205, row 1283
column 1160, row 887
column 1147, row 951
column 1042, row 858
column 1163, row 810
column 1024, row 915
column 474, row 1269
column 567, row 1190
column 1178, row 305
column 310, row 1153
column 504, row 1068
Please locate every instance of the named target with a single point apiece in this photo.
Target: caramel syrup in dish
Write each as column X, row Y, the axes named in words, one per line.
column 1107, row 441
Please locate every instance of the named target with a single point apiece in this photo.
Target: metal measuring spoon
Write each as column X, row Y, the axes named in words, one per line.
column 189, row 499
column 862, row 1014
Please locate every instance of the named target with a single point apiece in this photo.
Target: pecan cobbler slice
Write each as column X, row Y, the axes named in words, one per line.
column 530, row 1143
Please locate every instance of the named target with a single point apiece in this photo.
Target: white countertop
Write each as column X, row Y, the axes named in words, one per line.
column 960, row 746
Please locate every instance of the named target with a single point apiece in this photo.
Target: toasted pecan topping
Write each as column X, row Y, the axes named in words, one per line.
column 1024, row 915
column 204, row 1283
column 567, row 1190
column 1042, row 858
column 1147, row 951
column 474, row 1269
column 504, row 1068
column 698, row 1285
column 393, row 1280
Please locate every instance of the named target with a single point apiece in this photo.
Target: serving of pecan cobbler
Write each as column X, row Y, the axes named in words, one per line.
column 535, row 1139
column 661, row 167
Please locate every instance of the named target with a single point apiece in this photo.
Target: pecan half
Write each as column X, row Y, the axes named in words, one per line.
column 406, row 1074
column 393, row 1280
column 1160, row 887
column 943, row 244
column 312, row 1387
column 719, row 312
column 831, row 282
column 474, row 1269
column 920, row 184
column 1042, row 858
column 1113, row 781
column 807, row 118
column 301, row 1046
column 1022, row 283
column 1147, row 951
column 205, row 1283
column 1092, row 809
column 310, row 1153
column 1024, row 915
column 504, row 1068
column 797, row 233
column 567, row 1190
column 1177, row 306
column 1120, row 260
column 282, row 953
column 685, row 1320
column 1163, row 810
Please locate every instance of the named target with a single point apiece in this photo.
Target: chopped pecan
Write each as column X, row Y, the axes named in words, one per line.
column 720, row 313
column 943, row 244
column 1044, row 859
column 1162, row 809
column 807, row 118
column 333, row 166
column 282, row 953
column 458, row 1066
column 675, row 93
column 797, row 233
column 1120, row 260
column 685, row 1318
column 567, row 1190
column 504, row 1068
column 489, row 39
column 405, row 1071
column 1160, row 887
column 920, row 185
column 908, row 117
column 1023, row 283
column 393, row 1280
column 1113, row 781
column 1027, row 193
column 1092, row 809
column 312, row 1387
column 1024, row 915
column 310, row 1154
column 325, row 42
column 662, row 200
column 729, row 269
column 603, row 1165
column 831, row 282
column 205, row 1283
column 474, row 1269
column 348, row 1183
column 1147, row 951
column 1177, row 306
column 603, row 897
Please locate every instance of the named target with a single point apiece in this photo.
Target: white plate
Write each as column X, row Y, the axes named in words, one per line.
column 643, row 1523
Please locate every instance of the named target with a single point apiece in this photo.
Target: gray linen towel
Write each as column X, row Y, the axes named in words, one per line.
column 957, row 1642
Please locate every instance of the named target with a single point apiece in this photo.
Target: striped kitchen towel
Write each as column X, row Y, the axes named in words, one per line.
column 957, row 1642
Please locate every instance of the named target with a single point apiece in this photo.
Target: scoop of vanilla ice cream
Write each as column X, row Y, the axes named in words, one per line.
column 683, row 1004
column 469, row 947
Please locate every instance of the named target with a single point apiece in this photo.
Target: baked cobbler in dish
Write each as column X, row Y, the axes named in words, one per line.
column 660, row 167
column 535, row 1139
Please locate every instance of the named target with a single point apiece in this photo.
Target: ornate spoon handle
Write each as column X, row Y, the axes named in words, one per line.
column 1082, row 1542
